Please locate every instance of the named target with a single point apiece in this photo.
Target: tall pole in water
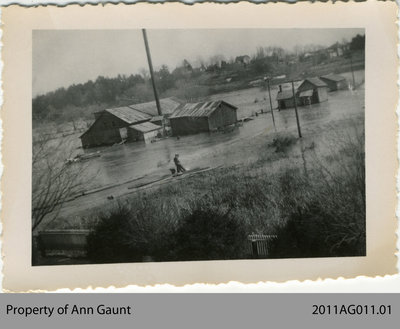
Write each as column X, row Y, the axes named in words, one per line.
column 146, row 44
column 295, row 109
column 270, row 103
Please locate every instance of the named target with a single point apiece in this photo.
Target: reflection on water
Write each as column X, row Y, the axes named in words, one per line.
column 121, row 163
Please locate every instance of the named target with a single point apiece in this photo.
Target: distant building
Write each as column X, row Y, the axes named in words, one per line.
column 285, row 94
column 335, row 82
column 311, row 91
column 285, row 99
column 193, row 118
column 111, row 126
column 145, row 131
column 244, row 60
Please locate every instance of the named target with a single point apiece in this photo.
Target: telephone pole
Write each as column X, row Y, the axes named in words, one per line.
column 146, row 44
column 270, row 103
column 352, row 71
column 295, row 109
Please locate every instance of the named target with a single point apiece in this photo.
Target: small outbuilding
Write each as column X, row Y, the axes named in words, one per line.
column 111, row 126
column 192, row 118
column 145, row 131
column 285, row 99
column 335, row 82
column 311, row 91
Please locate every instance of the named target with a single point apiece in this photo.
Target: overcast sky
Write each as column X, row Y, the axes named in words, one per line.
column 63, row 57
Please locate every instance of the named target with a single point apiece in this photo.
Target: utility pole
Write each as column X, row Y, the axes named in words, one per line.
column 146, row 44
column 295, row 109
column 352, row 71
column 270, row 103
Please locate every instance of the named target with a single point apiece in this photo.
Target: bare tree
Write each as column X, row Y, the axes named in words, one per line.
column 54, row 179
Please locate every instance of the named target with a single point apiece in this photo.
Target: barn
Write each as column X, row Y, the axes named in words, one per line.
column 145, row 131
column 335, row 82
column 111, row 126
column 192, row 118
column 311, row 91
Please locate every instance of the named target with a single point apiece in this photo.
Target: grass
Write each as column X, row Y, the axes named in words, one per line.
column 312, row 197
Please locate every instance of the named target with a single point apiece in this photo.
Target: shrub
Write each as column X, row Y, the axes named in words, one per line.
column 209, row 234
column 282, row 143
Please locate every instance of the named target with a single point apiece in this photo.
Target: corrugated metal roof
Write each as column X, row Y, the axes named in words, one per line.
column 145, row 127
column 284, row 94
column 168, row 105
column 203, row 109
column 157, row 118
column 316, row 82
column 333, row 77
column 128, row 114
column 306, row 93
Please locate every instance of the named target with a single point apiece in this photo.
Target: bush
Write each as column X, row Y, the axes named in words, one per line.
column 282, row 143
column 207, row 234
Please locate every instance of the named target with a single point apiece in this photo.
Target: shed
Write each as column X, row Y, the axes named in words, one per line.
column 110, row 126
column 285, row 99
column 311, row 91
column 335, row 82
column 193, row 118
column 145, row 131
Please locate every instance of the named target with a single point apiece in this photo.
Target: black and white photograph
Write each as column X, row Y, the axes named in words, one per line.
column 175, row 145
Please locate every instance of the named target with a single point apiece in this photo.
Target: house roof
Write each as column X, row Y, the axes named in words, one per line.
column 284, row 94
column 317, row 82
column 333, row 77
column 128, row 114
column 145, row 127
column 203, row 109
column 168, row 105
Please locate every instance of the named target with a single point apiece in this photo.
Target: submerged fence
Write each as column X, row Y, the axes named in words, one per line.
column 260, row 244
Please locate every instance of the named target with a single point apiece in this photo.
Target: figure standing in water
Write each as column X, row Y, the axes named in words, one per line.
column 179, row 167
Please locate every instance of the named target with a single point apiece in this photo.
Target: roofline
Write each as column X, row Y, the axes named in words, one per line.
column 204, row 116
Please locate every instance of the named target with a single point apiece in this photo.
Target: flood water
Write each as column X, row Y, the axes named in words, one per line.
column 122, row 163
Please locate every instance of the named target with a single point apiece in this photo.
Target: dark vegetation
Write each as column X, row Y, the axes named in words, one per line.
column 316, row 211
column 80, row 101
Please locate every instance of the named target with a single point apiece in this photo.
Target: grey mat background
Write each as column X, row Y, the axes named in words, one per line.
column 203, row 311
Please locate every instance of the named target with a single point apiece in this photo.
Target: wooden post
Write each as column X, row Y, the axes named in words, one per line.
column 270, row 103
column 146, row 44
column 295, row 109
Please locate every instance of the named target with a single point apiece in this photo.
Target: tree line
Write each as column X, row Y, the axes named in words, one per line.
column 187, row 81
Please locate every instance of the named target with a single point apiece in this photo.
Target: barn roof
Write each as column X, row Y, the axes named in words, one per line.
column 284, row 94
column 317, row 82
column 168, row 105
column 333, row 77
column 145, row 127
column 202, row 109
column 128, row 114
column 157, row 118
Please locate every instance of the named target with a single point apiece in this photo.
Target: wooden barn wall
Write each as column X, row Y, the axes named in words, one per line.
column 134, row 135
column 222, row 116
column 306, row 85
column 104, row 131
column 322, row 94
column 285, row 103
column 188, row 125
